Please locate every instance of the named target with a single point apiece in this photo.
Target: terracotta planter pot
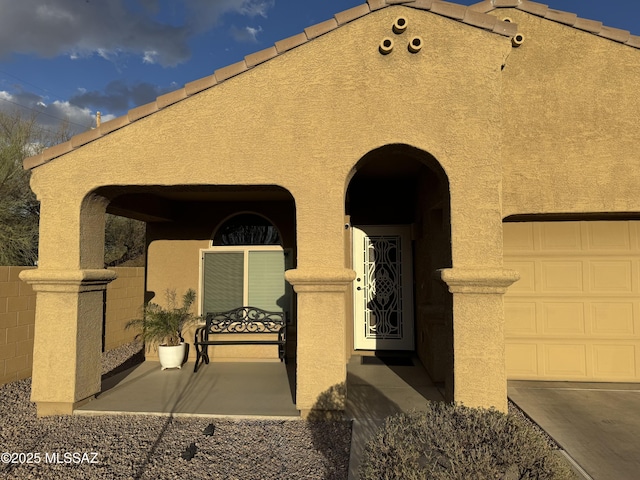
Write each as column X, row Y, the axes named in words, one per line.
column 171, row 356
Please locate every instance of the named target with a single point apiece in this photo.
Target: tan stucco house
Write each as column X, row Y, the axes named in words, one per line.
column 401, row 165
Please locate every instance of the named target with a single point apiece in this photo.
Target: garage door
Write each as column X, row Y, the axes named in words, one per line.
column 575, row 312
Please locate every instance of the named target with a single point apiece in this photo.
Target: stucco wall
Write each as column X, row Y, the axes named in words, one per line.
column 570, row 114
column 17, row 314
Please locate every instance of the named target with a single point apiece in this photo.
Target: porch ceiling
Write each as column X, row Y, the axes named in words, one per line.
column 164, row 204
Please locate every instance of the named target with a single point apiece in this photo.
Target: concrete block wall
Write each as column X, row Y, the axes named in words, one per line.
column 125, row 297
column 17, row 315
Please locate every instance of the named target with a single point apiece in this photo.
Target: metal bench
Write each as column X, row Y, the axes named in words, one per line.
column 242, row 320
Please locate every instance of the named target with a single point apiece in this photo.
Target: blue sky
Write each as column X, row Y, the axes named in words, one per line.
column 71, row 58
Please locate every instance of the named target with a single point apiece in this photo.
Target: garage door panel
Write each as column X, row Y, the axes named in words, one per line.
column 561, row 277
column 519, row 237
column 559, row 236
column 575, row 314
column 522, row 318
column 563, row 318
column 612, row 318
column 522, row 359
column 565, row 360
column 608, row 236
column 610, row 276
column 614, row 361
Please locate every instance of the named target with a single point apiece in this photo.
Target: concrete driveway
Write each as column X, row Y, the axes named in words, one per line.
column 597, row 424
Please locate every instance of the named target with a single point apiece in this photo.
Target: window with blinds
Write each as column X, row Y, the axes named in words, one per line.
column 244, row 276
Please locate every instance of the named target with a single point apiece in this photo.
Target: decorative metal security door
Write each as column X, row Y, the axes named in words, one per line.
column 383, row 290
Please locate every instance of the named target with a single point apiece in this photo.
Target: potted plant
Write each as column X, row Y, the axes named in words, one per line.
column 162, row 327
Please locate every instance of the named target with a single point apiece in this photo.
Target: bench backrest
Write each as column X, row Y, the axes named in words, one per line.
column 246, row 320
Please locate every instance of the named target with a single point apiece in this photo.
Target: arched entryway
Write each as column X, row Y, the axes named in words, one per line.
column 397, row 205
column 210, row 238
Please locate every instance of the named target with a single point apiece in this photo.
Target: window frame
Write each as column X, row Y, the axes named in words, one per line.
column 245, row 249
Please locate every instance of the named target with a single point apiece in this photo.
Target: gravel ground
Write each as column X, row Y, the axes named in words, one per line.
column 515, row 410
column 152, row 447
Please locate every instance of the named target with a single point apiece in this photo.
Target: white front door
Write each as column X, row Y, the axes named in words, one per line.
column 383, row 290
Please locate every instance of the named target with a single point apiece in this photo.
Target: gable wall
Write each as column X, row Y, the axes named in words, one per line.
column 571, row 110
column 303, row 120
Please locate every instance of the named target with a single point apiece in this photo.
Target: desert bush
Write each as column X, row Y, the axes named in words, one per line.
column 449, row 441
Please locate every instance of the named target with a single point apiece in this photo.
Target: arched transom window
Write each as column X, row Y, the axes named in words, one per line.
column 245, row 267
column 247, row 229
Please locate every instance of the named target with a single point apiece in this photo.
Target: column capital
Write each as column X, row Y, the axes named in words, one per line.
column 320, row 279
column 69, row 281
column 478, row 280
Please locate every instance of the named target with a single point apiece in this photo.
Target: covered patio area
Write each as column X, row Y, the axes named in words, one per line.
column 375, row 389
column 247, row 389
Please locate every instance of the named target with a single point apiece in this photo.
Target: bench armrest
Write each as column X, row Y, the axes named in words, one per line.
column 201, row 334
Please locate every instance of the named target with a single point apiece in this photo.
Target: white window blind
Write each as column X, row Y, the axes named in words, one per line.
column 244, row 276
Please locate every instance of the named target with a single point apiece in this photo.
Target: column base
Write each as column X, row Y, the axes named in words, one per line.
column 48, row 409
column 315, row 415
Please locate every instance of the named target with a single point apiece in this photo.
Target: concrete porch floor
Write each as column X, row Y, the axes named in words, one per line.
column 263, row 390
column 251, row 389
column 256, row 389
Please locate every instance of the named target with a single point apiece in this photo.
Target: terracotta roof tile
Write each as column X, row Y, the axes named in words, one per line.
column 480, row 20
column 85, row 137
column 634, row 41
column 506, row 3
column 451, row 10
column 505, row 28
column 320, row 28
column 142, row 111
column 351, row 14
column 376, row 4
column 229, row 71
column 588, row 25
column 56, row 151
column 171, row 98
column 561, row 17
column 539, row 9
column 616, row 34
column 257, row 58
column 33, row 162
column 422, row 4
column 111, row 125
column 571, row 19
column 291, row 42
column 482, row 7
column 196, row 86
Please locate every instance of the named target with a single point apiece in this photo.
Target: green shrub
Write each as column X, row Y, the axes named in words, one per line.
column 449, row 441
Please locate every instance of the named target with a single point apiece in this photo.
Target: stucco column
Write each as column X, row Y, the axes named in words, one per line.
column 68, row 337
column 69, row 284
column 321, row 375
column 479, row 373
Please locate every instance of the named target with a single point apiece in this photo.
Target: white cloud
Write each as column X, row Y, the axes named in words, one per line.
column 111, row 28
column 246, row 34
column 150, row 57
column 254, row 8
column 50, row 116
